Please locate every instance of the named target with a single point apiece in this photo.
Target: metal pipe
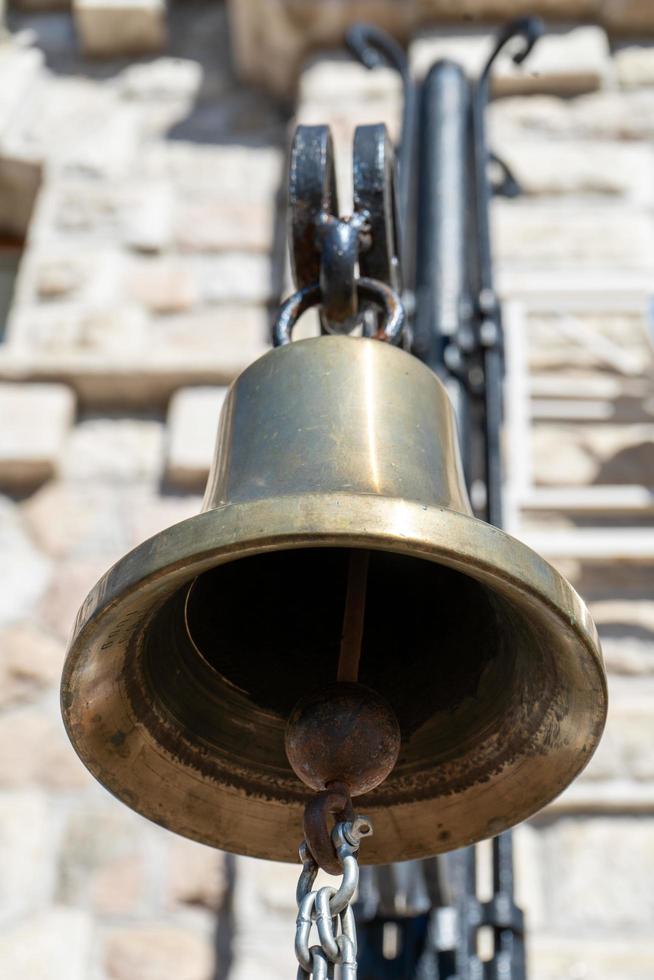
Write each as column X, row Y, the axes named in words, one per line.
column 441, row 210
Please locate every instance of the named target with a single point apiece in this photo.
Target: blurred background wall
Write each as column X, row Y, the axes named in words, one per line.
column 141, row 252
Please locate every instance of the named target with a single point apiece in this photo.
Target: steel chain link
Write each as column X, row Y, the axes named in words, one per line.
column 328, row 909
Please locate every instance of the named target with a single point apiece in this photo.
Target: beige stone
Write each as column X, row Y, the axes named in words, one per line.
column 586, row 860
column 30, row 446
column 58, row 278
column 205, row 223
column 232, row 171
column 157, row 953
column 152, row 513
column 571, row 344
column 161, row 80
column 70, row 586
column 34, row 750
column 557, row 234
column 561, row 63
column 148, row 218
column 50, row 945
column 628, row 16
column 635, row 66
column 74, row 126
column 197, row 875
column 597, row 167
column 601, row 115
column 80, row 519
column 236, row 278
column 25, row 853
column 114, row 450
column 120, row 27
column 24, row 571
column 31, row 662
column 230, row 336
column 102, row 860
column 552, row 957
column 560, row 456
column 163, row 285
column 192, row 426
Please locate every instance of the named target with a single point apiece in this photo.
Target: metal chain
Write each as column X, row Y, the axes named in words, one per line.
column 328, row 909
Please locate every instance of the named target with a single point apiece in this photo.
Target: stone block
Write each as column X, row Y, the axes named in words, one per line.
column 72, row 583
column 41, row 416
column 122, row 357
column 207, row 222
column 236, row 173
column 114, row 28
column 601, row 115
column 557, row 234
column 192, row 426
column 196, row 875
column 598, row 873
column 114, row 451
column 560, row 64
column 163, row 285
column 627, row 16
column 552, row 957
column 81, row 520
column 596, row 167
column 574, row 454
column 35, row 751
column 74, row 126
column 31, row 662
column 573, row 348
column 236, row 278
column 158, row 952
column 24, row 571
column 102, row 861
column 148, row 218
column 635, row 66
column 153, row 512
column 25, row 853
column 53, row 944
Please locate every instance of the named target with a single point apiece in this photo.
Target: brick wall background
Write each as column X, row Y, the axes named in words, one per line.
column 147, row 190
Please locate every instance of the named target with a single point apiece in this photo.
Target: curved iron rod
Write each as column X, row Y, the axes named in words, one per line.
column 530, row 29
column 373, row 48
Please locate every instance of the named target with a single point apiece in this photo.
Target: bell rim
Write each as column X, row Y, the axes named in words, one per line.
column 174, row 556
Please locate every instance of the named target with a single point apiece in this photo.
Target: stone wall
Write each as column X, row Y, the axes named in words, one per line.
column 148, row 192
column 272, row 38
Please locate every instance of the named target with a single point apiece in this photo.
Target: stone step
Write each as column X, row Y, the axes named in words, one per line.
column 596, row 545
column 114, row 28
column 602, row 501
column 37, row 419
column 192, row 426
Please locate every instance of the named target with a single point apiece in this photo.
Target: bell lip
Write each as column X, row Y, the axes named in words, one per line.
column 163, row 563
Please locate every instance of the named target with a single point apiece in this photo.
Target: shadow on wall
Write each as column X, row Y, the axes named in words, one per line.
column 225, row 110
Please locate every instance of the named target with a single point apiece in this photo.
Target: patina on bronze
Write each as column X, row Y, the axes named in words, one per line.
column 189, row 655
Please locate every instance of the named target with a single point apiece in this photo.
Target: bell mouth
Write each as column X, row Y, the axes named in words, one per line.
column 190, row 655
column 262, row 632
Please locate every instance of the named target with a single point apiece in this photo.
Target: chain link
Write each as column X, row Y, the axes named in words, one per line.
column 328, row 908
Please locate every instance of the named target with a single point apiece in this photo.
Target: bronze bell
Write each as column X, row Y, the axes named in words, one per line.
column 188, row 656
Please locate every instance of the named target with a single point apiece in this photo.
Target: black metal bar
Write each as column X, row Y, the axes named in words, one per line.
column 441, row 228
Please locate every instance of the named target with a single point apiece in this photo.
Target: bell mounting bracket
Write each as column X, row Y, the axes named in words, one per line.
column 345, row 264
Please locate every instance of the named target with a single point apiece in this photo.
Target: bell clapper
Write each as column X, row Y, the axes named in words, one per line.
column 341, row 740
column 353, row 617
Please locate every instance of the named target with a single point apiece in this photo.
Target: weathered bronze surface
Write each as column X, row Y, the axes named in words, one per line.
column 189, row 655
